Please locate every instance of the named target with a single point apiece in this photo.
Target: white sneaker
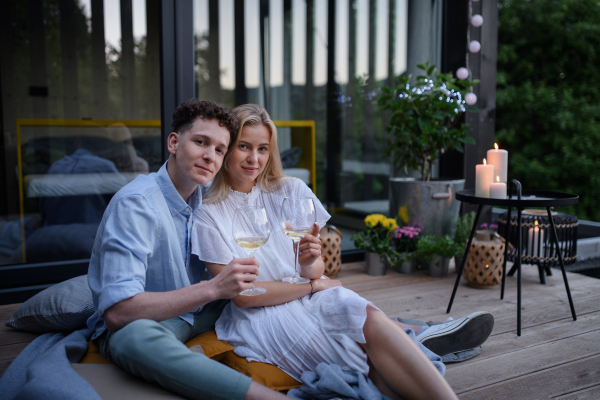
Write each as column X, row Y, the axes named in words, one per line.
column 458, row 335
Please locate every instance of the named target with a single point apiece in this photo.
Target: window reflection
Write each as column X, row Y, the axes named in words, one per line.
column 80, row 108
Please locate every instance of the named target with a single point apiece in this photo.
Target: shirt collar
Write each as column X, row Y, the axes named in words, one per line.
column 244, row 199
column 174, row 200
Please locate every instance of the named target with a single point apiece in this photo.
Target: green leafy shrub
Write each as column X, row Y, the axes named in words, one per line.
column 424, row 118
column 548, row 102
column 462, row 230
column 429, row 246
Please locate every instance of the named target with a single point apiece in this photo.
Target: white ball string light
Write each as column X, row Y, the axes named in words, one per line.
column 474, row 46
column 471, row 98
column 462, row 73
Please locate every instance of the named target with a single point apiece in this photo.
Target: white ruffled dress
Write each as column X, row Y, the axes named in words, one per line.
column 295, row 336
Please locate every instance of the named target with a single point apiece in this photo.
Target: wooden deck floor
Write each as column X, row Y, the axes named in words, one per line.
column 554, row 358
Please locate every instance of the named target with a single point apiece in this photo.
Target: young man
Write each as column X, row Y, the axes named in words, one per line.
column 148, row 297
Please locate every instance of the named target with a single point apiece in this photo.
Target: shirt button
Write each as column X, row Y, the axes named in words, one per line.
column 187, row 209
column 174, row 210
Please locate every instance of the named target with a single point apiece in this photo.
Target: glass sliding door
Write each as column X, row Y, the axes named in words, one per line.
column 80, row 83
column 321, row 61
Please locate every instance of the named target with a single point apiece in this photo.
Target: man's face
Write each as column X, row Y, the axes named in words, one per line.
column 199, row 151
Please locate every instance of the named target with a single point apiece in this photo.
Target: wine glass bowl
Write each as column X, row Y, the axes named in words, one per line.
column 251, row 231
column 298, row 216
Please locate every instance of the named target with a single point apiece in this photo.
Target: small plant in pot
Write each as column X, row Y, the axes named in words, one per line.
column 405, row 241
column 487, row 232
column 376, row 241
column 436, row 253
column 425, row 122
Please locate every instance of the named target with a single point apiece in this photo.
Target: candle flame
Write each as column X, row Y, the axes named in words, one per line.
column 496, row 146
column 498, row 179
column 536, row 222
column 484, row 162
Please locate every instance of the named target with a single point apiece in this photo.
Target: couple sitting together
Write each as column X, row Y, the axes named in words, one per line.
column 145, row 276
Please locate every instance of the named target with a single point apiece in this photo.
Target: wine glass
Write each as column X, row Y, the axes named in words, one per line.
column 251, row 231
column 298, row 216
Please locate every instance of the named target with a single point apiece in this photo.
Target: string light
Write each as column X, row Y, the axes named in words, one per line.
column 474, row 46
column 471, row 98
column 462, row 73
column 477, row 20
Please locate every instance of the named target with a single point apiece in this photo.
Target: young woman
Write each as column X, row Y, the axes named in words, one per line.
column 296, row 327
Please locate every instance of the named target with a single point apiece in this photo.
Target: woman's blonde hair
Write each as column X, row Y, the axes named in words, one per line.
column 269, row 179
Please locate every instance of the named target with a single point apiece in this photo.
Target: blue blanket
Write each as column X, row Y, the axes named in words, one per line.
column 329, row 380
column 43, row 370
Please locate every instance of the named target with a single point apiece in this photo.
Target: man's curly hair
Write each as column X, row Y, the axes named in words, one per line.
column 188, row 111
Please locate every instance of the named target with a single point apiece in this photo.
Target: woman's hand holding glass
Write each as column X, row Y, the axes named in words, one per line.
column 298, row 217
column 309, row 248
column 251, row 231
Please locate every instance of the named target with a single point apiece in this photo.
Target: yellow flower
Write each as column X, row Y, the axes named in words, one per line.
column 374, row 219
column 389, row 224
column 403, row 215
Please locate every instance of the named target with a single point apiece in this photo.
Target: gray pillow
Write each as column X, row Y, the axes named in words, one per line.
column 63, row 307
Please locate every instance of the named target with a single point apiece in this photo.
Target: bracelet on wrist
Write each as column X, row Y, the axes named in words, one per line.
column 311, row 288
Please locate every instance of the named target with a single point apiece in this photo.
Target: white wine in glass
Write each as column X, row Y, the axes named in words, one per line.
column 251, row 244
column 251, row 231
column 298, row 216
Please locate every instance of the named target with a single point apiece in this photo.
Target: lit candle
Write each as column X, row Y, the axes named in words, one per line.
column 535, row 236
column 499, row 159
column 497, row 189
column 483, row 178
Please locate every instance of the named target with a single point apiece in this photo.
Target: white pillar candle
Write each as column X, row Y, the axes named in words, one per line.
column 483, row 178
column 499, row 159
column 497, row 189
column 534, row 237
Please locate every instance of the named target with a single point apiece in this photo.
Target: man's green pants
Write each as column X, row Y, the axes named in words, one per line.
column 155, row 351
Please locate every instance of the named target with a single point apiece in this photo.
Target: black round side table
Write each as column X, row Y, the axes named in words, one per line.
column 524, row 199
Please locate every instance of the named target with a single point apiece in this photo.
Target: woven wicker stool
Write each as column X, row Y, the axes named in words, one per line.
column 537, row 247
column 331, row 250
column 483, row 267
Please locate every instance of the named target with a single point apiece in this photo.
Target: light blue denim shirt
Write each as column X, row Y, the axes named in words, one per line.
column 143, row 244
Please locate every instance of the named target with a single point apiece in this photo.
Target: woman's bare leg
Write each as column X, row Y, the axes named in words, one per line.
column 380, row 383
column 399, row 361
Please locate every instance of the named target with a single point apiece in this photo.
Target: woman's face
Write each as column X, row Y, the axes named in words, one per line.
column 249, row 158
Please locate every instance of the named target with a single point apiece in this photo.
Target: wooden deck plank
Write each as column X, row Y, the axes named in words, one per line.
column 11, row 351
column 10, row 336
column 563, row 379
column 508, row 342
column 523, row 362
column 591, row 393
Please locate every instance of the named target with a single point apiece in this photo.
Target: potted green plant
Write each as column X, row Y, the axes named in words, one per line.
column 462, row 230
column 376, row 241
column 405, row 241
column 436, row 253
column 425, row 121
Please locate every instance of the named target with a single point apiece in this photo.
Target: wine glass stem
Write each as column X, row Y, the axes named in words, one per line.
column 296, row 250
